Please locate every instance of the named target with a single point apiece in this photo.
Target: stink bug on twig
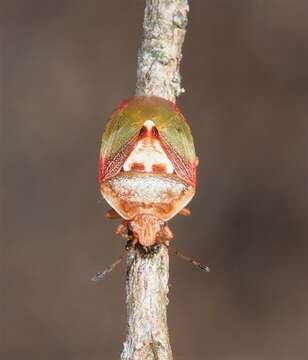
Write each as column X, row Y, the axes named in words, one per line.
column 147, row 171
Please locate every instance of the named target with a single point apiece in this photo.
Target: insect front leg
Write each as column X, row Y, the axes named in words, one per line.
column 112, row 214
column 122, row 230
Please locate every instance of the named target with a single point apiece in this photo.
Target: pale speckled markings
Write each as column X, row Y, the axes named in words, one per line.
column 132, row 193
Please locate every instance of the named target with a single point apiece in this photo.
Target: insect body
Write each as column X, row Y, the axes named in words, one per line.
column 147, row 169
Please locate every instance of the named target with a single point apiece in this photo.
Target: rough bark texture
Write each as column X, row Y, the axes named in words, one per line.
column 147, row 289
column 161, row 50
column 147, row 278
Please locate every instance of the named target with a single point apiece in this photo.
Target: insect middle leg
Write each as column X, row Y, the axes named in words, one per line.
column 165, row 236
column 185, row 212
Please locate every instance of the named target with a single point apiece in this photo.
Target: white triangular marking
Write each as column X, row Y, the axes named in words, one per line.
column 148, row 152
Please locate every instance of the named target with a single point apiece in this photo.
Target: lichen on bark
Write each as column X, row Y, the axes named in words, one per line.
column 161, row 50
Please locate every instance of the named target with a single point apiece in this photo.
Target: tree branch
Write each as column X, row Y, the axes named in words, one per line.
column 147, row 278
column 161, row 50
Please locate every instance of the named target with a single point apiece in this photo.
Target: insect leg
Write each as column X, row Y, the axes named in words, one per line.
column 185, row 212
column 112, row 214
column 166, row 233
column 122, row 230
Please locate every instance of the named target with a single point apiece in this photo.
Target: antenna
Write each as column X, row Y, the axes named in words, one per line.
column 189, row 259
column 101, row 274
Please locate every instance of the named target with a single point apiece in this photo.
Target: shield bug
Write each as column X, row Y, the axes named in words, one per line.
column 147, row 169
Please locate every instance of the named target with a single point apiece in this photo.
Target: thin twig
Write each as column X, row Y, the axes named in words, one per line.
column 147, row 278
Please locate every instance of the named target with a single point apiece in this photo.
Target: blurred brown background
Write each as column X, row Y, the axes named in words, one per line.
column 66, row 65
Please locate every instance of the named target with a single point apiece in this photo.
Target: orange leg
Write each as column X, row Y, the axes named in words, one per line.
column 122, row 229
column 165, row 236
column 112, row 214
column 185, row 212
